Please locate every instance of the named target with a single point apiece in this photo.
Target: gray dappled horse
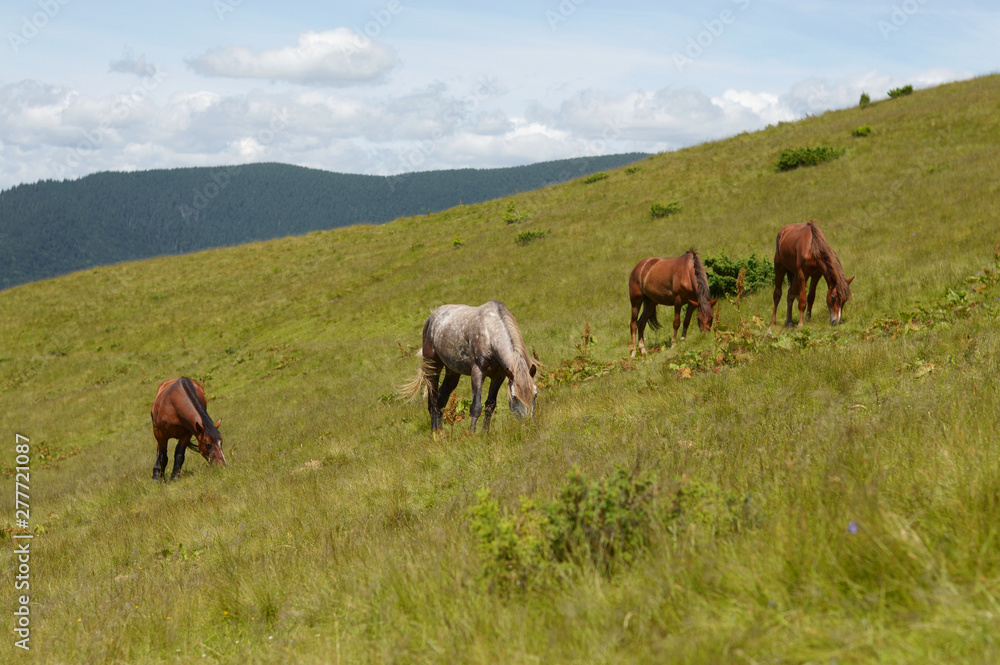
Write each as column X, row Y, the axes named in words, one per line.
column 479, row 342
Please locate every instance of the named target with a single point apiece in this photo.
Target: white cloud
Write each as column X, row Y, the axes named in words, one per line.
column 129, row 64
column 339, row 57
column 56, row 132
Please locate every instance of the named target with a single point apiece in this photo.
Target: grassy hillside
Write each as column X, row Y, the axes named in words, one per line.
column 51, row 228
column 824, row 495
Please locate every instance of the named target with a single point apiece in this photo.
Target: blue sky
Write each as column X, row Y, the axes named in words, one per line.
column 391, row 86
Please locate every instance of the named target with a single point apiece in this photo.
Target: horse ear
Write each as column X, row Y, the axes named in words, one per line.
column 693, row 302
column 531, row 372
column 712, row 303
column 851, row 279
column 217, row 423
column 199, row 429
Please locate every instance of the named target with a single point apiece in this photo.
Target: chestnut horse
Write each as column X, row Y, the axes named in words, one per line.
column 678, row 282
column 802, row 252
column 479, row 342
column 179, row 413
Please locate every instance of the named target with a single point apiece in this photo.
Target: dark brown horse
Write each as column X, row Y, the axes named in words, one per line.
column 479, row 342
column 678, row 282
column 802, row 252
column 179, row 413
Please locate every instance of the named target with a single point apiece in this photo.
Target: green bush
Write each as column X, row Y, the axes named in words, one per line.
column 865, row 100
column 794, row 158
column 659, row 210
column 863, row 130
column 600, row 523
column 511, row 215
column 595, row 177
column 723, row 272
column 901, row 92
column 524, row 237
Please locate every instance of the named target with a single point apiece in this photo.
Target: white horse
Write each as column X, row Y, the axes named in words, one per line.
column 478, row 342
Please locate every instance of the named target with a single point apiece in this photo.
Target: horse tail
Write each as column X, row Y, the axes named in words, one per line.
column 649, row 307
column 422, row 380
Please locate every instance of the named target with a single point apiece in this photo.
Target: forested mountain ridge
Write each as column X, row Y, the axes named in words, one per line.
column 52, row 227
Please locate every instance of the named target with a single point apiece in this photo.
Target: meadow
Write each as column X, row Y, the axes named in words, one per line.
column 860, row 461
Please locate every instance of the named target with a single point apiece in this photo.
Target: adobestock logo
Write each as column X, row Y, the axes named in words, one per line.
column 714, row 29
column 31, row 26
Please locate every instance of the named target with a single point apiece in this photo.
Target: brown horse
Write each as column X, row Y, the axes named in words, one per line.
column 678, row 282
column 479, row 342
column 802, row 252
column 179, row 413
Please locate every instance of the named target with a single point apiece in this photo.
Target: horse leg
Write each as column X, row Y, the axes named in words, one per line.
column 633, row 326
column 648, row 311
column 179, row 451
column 477, row 393
column 447, row 388
column 779, row 278
column 432, row 396
column 812, row 296
column 677, row 324
column 491, row 401
column 803, row 300
column 161, row 458
column 687, row 321
column 793, row 291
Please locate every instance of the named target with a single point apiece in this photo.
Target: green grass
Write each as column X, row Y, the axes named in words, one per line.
column 340, row 531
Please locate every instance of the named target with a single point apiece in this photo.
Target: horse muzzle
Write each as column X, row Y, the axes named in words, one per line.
column 520, row 409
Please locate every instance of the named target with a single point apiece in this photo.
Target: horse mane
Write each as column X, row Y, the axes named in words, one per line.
column 517, row 342
column 206, row 420
column 828, row 260
column 701, row 285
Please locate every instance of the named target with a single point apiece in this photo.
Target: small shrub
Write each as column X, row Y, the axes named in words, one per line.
column 600, row 523
column 658, row 210
column 863, row 130
column 632, row 169
column 794, row 158
column 524, row 237
column 457, row 241
column 512, row 215
column 865, row 100
column 591, row 520
column 723, row 273
column 595, row 177
column 901, row 92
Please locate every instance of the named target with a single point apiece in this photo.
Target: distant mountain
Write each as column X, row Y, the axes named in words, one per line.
column 50, row 228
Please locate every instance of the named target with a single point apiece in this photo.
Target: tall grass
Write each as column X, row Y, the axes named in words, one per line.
column 340, row 530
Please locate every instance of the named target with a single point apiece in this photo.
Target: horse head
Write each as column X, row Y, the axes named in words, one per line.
column 210, row 443
column 704, row 317
column 521, row 392
column 836, row 297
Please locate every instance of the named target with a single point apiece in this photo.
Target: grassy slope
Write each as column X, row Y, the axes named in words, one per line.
column 338, row 533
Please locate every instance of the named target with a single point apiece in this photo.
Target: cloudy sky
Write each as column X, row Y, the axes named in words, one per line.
column 391, row 86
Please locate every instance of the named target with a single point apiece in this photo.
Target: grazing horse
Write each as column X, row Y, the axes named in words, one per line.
column 479, row 342
column 678, row 282
column 801, row 252
column 179, row 413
